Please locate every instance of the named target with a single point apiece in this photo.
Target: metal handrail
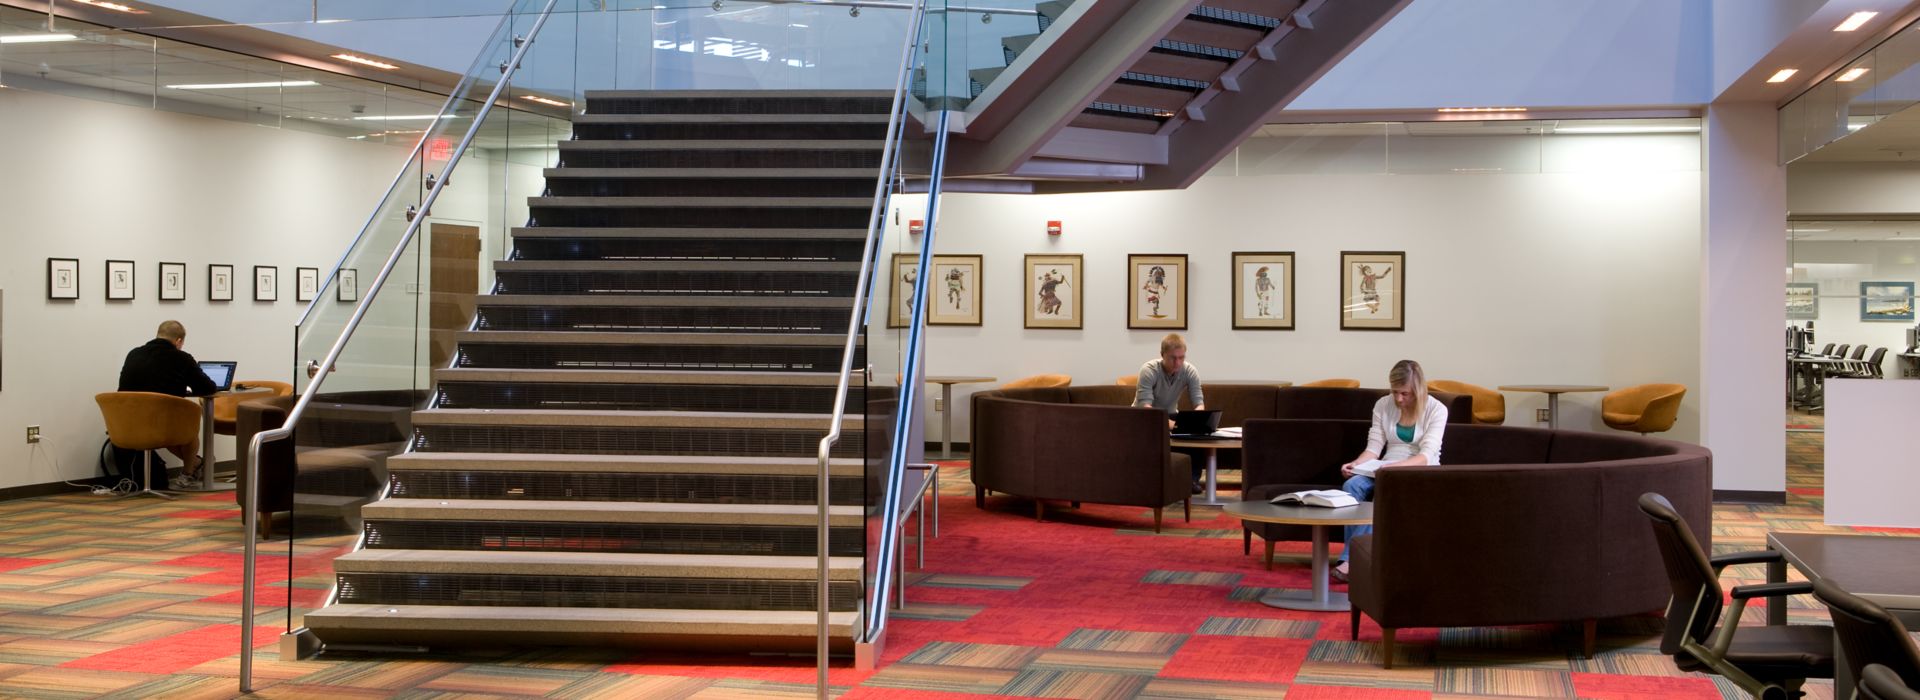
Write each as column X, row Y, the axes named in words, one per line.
column 876, row 228
column 251, row 514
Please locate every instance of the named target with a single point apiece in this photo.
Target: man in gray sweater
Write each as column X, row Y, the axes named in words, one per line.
column 1165, row 379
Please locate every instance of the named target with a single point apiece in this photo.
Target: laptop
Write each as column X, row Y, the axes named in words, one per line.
column 221, row 373
column 1195, row 423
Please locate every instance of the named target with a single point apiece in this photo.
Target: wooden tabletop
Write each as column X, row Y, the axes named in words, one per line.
column 1245, row 382
column 1875, row 567
column 1207, row 443
column 960, row 380
column 1552, row 388
column 1264, row 512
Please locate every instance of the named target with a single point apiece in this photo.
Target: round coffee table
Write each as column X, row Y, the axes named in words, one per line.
column 1319, row 599
column 1553, row 392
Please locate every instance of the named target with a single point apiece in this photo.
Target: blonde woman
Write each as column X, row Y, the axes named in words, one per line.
column 1408, row 426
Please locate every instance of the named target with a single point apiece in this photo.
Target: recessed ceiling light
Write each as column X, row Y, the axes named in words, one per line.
column 1455, row 110
column 36, row 38
column 1782, row 75
column 545, row 101
column 1626, row 129
column 1851, row 75
column 350, row 58
column 245, row 86
column 116, row 7
column 1855, row 20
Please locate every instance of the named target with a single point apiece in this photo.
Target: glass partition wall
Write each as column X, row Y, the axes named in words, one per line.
column 1850, row 305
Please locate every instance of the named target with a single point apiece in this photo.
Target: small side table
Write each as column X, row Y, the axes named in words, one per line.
column 1553, row 392
column 946, row 399
column 1320, row 599
column 1213, row 446
column 207, row 484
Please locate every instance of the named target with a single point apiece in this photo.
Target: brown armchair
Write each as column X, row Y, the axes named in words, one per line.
column 1647, row 408
column 1039, row 380
column 1489, row 406
column 226, row 406
column 1049, row 445
column 1335, row 383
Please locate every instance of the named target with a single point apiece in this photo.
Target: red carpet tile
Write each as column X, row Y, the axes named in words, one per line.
column 1601, row 686
column 13, row 563
column 205, row 514
column 1254, row 659
column 176, row 653
column 1322, row 692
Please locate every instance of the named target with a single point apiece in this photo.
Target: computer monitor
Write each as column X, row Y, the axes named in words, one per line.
column 221, row 373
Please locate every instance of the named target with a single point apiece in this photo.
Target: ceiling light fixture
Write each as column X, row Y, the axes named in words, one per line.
column 116, row 7
column 545, row 101
column 1782, row 75
column 1627, row 129
column 1851, row 75
column 245, row 86
column 350, row 58
column 36, row 38
column 1459, row 110
column 1855, row 20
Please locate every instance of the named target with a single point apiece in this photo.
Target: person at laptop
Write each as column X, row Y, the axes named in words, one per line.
column 162, row 367
column 1407, row 428
column 1164, row 380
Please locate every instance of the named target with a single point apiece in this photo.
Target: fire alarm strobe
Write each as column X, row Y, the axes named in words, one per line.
column 916, row 227
column 1053, row 228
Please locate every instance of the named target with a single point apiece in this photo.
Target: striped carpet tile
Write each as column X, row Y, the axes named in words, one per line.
column 604, row 685
column 1001, row 656
column 1259, row 627
column 1194, row 578
column 1078, row 685
column 503, row 681
column 1182, row 689
column 949, row 679
column 1526, row 683
column 1122, row 640
column 1128, row 662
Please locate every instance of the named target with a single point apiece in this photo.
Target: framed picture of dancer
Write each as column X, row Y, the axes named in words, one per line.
column 1054, row 297
column 954, row 283
column 1372, row 286
column 1157, row 291
column 1263, row 291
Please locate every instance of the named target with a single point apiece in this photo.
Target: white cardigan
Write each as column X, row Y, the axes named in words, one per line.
column 1426, row 434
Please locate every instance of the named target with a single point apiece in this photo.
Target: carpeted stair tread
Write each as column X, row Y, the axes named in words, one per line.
column 625, row 338
column 620, row 464
column 746, row 236
column 628, row 376
column 598, row 119
column 610, row 512
column 702, row 202
column 736, row 94
column 632, row 419
column 403, row 619
column 675, row 266
column 724, row 145
column 554, row 301
column 437, row 561
column 722, row 173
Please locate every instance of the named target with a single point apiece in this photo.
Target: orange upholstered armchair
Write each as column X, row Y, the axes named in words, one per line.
column 1647, row 408
column 1128, row 380
column 226, row 407
column 1039, row 381
column 1489, row 406
column 1336, row 383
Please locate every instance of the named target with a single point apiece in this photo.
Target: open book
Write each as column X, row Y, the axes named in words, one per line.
column 1368, row 467
column 1328, row 498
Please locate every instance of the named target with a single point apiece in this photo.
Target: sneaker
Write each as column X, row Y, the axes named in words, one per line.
column 1339, row 573
column 184, row 483
column 1197, row 488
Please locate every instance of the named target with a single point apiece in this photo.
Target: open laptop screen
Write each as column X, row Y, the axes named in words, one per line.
column 221, row 373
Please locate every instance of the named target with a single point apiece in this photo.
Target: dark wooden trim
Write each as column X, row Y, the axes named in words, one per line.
column 1767, row 497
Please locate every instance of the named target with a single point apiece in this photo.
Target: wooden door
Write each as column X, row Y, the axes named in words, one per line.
column 454, row 269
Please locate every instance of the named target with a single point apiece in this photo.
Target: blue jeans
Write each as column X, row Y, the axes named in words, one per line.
column 1361, row 488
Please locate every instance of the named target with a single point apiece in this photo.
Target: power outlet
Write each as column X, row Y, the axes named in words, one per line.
column 33, row 434
column 939, row 404
column 1540, row 415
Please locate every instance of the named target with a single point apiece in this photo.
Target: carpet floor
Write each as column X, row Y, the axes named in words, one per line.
column 140, row 598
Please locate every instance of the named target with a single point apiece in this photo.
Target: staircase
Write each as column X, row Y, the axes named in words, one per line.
column 623, row 450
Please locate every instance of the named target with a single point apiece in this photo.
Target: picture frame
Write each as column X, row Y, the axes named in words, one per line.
column 266, row 283
column 63, row 278
column 1886, row 301
column 120, row 280
column 1372, row 290
column 1257, row 279
column 219, row 283
column 173, row 281
column 1803, row 301
column 1157, row 291
column 306, row 283
column 1055, row 296
column 347, row 285
column 955, row 286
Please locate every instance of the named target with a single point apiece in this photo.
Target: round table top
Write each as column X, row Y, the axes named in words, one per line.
column 1552, row 388
column 1208, row 443
column 960, row 380
column 1264, row 512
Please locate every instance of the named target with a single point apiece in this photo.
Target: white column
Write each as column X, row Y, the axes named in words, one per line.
column 1742, row 298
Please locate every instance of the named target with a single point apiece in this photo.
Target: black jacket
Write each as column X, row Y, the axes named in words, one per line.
column 161, row 368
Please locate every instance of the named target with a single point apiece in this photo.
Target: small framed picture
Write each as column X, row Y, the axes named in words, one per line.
column 348, row 287
column 219, row 283
column 1157, row 291
column 306, row 283
column 1886, row 301
column 1372, row 286
column 173, row 281
column 119, row 280
column 63, row 278
column 266, row 283
column 1055, row 295
column 1803, row 301
column 955, row 288
column 1263, row 291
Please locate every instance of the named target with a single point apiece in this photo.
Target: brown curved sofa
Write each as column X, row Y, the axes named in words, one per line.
column 1517, row 526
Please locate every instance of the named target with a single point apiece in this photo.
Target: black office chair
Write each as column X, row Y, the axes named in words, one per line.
column 1769, row 662
column 1881, row 683
column 1873, row 370
column 1828, row 350
column 1842, row 353
column 1869, row 634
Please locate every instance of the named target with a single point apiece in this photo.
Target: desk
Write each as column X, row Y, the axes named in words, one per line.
column 1553, row 392
column 206, row 447
column 1320, row 599
column 946, row 399
column 1213, row 447
column 1812, row 371
column 1877, row 568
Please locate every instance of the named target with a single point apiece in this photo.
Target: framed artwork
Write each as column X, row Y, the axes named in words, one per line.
column 1803, row 301
column 63, row 278
column 119, row 280
column 1371, row 286
column 266, row 283
column 306, row 283
column 219, row 283
column 348, row 287
column 173, row 281
column 1055, row 297
column 1263, row 291
column 955, row 288
column 1157, row 291
column 1886, row 301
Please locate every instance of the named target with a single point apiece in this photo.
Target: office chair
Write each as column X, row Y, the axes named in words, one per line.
column 1768, row 662
column 1828, row 350
column 1880, row 683
column 1859, row 351
column 1644, row 408
column 145, row 421
column 1873, row 369
column 1841, row 353
column 1868, row 634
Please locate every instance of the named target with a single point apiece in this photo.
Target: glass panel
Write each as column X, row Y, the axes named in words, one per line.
column 1861, row 277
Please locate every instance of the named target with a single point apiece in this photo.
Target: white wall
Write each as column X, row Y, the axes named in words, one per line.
column 1585, row 275
column 1870, row 474
column 1815, row 189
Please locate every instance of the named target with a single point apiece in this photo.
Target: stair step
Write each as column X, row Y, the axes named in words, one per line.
column 862, row 203
column 1177, row 66
column 867, row 174
column 742, row 96
column 743, row 235
column 630, row 397
column 1206, row 33
column 556, row 301
column 589, row 338
column 626, row 376
column 1018, row 44
column 666, row 629
column 631, row 419
column 648, row 487
column 434, row 561
column 690, row 352
column 731, row 278
column 610, row 512
column 598, row 119
column 621, row 464
column 1161, row 98
column 674, row 266
column 680, row 313
column 721, row 145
